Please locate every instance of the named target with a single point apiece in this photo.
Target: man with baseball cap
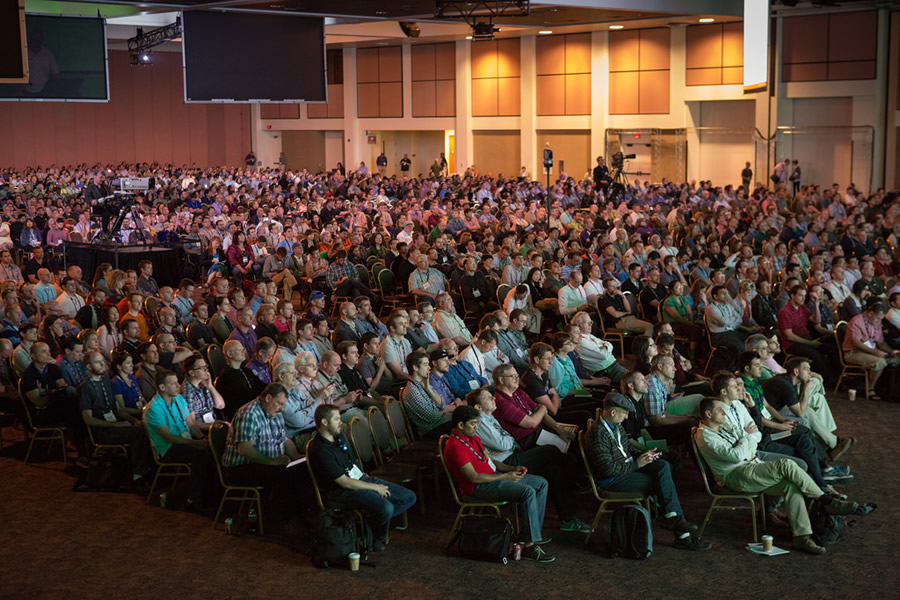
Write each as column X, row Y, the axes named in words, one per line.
column 617, row 467
column 316, row 308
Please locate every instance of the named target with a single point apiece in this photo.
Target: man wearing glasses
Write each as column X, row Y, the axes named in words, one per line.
column 198, row 391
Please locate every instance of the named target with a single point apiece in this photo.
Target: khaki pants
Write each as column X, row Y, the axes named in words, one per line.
column 286, row 279
column 820, row 419
column 779, row 478
column 631, row 323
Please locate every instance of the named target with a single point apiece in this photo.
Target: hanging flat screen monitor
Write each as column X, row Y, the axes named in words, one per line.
column 253, row 58
column 66, row 60
column 13, row 61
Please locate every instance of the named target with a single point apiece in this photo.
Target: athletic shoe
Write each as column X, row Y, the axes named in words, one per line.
column 575, row 525
column 542, row 542
column 538, row 554
column 836, row 469
column 690, row 542
column 837, row 477
column 678, row 525
column 806, row 544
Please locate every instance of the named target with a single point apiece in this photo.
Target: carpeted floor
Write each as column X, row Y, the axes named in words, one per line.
column 57, row 543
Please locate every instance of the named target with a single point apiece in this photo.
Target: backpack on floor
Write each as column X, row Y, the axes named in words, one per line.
column 630, row 535
column 827, row 528
column 336, row 535
column 483, row 537
column 105, row 473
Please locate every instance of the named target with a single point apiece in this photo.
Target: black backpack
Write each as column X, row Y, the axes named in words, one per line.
column 827, row 528
column 630, row 535
column 105, row 473
column 336, row 535
column 483, row 537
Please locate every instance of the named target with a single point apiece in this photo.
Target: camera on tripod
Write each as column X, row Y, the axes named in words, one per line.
column 618, row 160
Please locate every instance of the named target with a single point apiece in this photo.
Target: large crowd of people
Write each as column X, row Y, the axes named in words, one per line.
column 502, row 314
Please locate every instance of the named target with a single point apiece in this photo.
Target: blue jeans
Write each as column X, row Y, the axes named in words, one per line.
column 652, row 479
column 379, row 511
column 530, row 493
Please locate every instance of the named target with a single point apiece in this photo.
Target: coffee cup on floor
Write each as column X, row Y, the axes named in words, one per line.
column 851, row 394
column 767, row 543
column 354, row 560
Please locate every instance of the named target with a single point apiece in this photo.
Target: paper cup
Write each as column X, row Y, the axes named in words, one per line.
column 767, row 543
column 354, row 560
column 851, row 395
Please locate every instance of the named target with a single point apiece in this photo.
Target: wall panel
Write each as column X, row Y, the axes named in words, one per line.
column 497, row 152
column 832, row 47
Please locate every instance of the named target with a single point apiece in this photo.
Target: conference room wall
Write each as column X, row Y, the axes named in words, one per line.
column 146, row 119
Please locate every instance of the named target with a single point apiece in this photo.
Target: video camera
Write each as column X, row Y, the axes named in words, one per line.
column 618, row 160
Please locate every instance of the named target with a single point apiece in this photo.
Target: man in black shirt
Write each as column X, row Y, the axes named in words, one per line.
column 100, row 412
column 88, row 316
column 405, row 162
column 237, row 384
column 343, row 482
column 32, row 266
column 652, row 295
column 49, row 399
column 601, row 173
column 352, row 378
column 536, row 383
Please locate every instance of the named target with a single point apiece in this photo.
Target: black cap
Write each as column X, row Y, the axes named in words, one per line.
column 438, row 354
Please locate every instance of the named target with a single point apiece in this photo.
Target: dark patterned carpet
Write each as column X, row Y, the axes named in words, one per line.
column 55, row 543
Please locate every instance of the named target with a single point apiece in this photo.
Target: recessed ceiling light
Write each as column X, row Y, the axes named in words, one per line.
column 468, row 37
column 707, row 20
column 617, row 27
column 544, row 32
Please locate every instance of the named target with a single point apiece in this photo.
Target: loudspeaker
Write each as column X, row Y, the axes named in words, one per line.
column 410, row 29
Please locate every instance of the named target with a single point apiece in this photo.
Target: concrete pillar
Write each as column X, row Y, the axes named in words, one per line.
column 528, row 105
column 464, row 141
column 599, row 93
column 353, row 138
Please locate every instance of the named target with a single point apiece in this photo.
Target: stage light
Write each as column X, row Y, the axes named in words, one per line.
column 146, row 57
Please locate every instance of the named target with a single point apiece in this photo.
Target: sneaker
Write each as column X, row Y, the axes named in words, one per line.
column 538, row 554
column 840, row 507
column 378, row 547
column 542, row 542
column 806, row 544
column 844, row 444
column 678, row 525
column 575, row 525
column 691, row 542
column 837, row 477
column 829, row 489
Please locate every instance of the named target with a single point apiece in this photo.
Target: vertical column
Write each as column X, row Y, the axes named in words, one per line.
column 464, row 140
column 891, row 179
column 686, row 114
column 782, row 107
column 353, row 142
column 599, row 93
column 528, row 105
column 882, row 82
column 406, row 78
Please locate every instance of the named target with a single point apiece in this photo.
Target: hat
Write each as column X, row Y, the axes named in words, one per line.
column 316, row 295
column 617, row 400
column 438, row 354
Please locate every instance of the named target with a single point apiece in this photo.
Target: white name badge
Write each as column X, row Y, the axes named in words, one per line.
column 109, row 416
column 476, row 293
column 186, row 435
column 473, row 385
column 208, row 418
column 520, row 352
column 355, row 473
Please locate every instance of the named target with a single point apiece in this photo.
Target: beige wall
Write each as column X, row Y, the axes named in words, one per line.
column 723, row 153
column 573, row 147
column 421, row 146
column 497, row 152
column 305, row 150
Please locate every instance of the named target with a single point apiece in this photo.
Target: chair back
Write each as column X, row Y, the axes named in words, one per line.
column 387, row 283
column 312, row 476
column 218, row 434
column 27, row 408
column 370, row 261
column 442, row 443
column 502, row 291
column 396, row 417
column 840, row 332
column 704, row 468
column 589, row 426
column 381, row 433
column 363, row 274
column 708, row 333
column 216, row 359
column 151, row 307
column 74, row 236
column 361, row 439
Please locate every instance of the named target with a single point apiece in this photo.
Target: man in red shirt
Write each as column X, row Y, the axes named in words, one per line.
column 521, row 416
column 476, row 475
column 796, row 339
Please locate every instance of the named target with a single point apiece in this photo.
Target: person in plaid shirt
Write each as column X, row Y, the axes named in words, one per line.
column 341, row 276
column 257, row 450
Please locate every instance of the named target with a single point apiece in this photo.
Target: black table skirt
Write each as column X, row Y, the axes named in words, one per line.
column 167, row 262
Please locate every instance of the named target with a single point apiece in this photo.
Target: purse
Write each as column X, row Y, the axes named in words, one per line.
column 483, row 538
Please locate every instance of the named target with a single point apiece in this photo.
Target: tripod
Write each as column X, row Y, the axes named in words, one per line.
column 618, row 183
column 128, row 209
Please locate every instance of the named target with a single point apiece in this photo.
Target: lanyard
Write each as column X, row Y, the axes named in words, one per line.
column 106, row 401
column 482, row 456
column 616, row 438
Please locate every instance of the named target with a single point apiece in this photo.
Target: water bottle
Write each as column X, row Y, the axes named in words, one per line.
column 252, row 520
